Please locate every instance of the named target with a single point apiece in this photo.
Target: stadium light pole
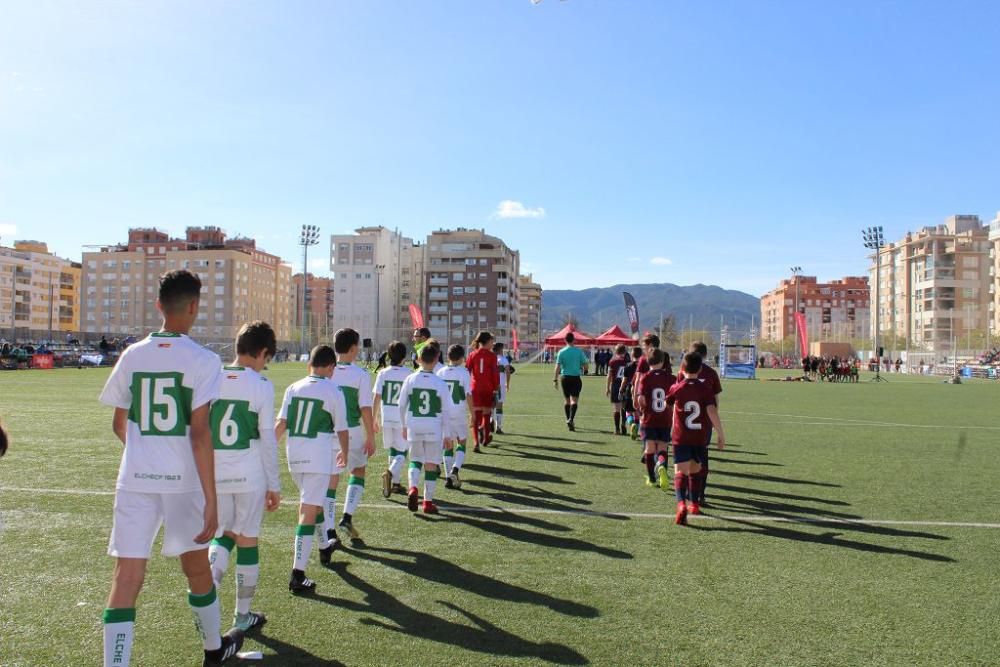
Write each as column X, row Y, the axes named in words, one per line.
column 379, row 268
column 796, row 272
column 309, row 236
column 874, row 240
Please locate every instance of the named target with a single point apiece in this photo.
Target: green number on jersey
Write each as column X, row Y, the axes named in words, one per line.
column 307, row 418
column 425, row 403
column 234, row 425
column 161, row 404
column 353, row 407
column 457, row 391
column 390, row 392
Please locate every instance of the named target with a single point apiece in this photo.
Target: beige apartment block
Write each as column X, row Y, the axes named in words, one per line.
column 994, row 273
column 837, row 310
column 934, row 284
column 39, row 292
column 377, row 274
column 471, row 285
column 240, row 283
column 529, row 297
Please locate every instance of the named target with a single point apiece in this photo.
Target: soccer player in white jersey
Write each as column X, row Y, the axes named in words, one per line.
column 506, row 369
column 246, row 464
column 388, row 383
column 424, row 408
column 356, row 385
column 161, row 390
column 459, row 382
column 311, row 412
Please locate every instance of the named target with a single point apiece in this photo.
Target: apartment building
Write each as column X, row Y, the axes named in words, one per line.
column 529, row 297
column 837, row 310
column 994, row 274
column 471, row 284
column 934, row 284
column 377, row 274
column 39, row 292
column 318, row 300
column 240, row 282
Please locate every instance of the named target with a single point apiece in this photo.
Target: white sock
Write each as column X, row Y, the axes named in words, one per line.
column 330, row 511
column 459, row 457
column 303, row 545
column 207, row 618
column 355, row 489
column 119, row 631
column 448, row 462
column 396, row 466
column 247, row 574
column 498, row 418
column 218, row 557
column 413, row 475
column 429, row 486
column 324, row 542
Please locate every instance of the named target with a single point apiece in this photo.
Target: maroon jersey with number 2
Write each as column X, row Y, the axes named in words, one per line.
column 690, row 400
column 654, row 386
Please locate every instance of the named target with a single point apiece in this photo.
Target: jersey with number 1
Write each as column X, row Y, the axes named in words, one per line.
column 424, row 406
column 388, row 384
column 356, row 384
column 246, row 452
column 690, row 399
column 459, row 385
column 161, row 380
column 654, row 387
column 313, row 409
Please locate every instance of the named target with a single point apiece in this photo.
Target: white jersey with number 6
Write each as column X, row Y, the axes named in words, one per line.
column 246, row 453
column 425, row 406
column 161, row 380
column 313, row 409
column 388, row 384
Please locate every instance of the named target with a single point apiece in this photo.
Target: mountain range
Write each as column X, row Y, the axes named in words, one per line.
column 692, row 306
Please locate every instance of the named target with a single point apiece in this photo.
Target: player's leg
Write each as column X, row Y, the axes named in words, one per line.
column 459, row 461
column 702, row 454
column 416, row 466
column 357, row 464
column 222, row 547
column 312, row 495
column 137, row 520
column 575, row 390
column 392, row 440
column 448, row 460
column 432, row 454
column 649, row 458
column 616, row 412
column 327, row 518
column 661, row 446
column 249, row 515
column 685, row 470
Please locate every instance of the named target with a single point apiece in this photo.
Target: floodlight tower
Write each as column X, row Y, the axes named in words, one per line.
column 307, row 237
column 796, row 272
column 874, row 240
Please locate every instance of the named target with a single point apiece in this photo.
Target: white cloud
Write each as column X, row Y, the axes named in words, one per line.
column 661, row 261
column 8, row 229
column 509, row 208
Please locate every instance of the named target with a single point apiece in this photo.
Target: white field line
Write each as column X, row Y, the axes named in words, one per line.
column 861, row 422
column 754, row 518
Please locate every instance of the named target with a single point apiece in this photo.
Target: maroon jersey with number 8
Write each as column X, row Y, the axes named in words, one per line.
column 654, row 386
column 690, row 400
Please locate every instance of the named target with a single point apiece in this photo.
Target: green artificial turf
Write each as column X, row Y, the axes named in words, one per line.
column 558, row 555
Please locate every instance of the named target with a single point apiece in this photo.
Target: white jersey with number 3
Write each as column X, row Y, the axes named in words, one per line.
column 161, row 380
column 424, row 406
column 242, row 420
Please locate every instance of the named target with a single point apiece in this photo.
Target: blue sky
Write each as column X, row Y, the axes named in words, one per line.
column 634, row 141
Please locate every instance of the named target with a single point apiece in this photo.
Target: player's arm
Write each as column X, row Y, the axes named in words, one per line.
column 367, row 413
column 340, row 426
column 556, row 369
column 404, row 404
column 713, row 416
column 119, row 423
column 269, row 448
column 377, row 410
column 204, row 460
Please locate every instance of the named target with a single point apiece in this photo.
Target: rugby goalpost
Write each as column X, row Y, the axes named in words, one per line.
column 738, row 354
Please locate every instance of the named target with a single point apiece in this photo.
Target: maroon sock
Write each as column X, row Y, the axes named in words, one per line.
column 680, row 486
column 694, row 487
column 651, row 467
column 618, row 421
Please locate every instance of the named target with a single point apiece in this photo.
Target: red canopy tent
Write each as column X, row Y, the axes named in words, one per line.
column 558, row 339
column 614, row 336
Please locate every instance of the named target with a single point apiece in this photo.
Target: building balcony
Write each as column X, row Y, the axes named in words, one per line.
column 438, row 309
column 438, row 294
column 438, row 282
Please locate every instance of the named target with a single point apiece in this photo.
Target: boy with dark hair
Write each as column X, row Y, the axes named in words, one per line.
column 459, row 382
column 388, row 384
column 356, row 385
column 656, row 418
column 312, row 410
column 712, row 378
column 161, row 390
column 616, row 374
column 693, row 401
column 424, row 409
column 246, row 464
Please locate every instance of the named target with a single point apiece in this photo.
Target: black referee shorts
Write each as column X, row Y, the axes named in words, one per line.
column 571, row 386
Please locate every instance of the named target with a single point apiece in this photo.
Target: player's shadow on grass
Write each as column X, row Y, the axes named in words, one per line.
column 482, row 636
column 532, row 456
column 444, row 572
column 289, row 655
column 833, row 537
column 770, row 478
column 563, row 450
column 772, row 508
column 718, row 459
column 732, row 448
column 524, row 475
column 540, row 539
column 500, row 514
column 532, row 491
column 776, row 494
